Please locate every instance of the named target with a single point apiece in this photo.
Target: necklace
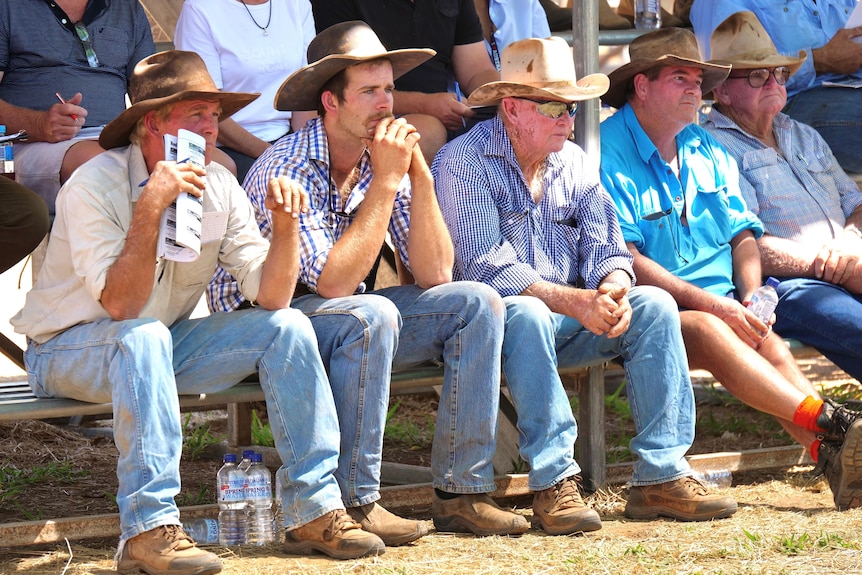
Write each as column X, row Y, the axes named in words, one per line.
column 268, row 19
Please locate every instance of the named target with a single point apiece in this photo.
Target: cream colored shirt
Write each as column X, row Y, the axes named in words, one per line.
column 94, row 212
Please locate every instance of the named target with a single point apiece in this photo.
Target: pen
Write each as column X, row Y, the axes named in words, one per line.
column 62, row 101
column 458, row 95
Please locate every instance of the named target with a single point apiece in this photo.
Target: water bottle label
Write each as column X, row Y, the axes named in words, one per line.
column 232, row 491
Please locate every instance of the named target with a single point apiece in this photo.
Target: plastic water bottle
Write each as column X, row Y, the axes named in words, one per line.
column 245, row 463
column 203, row 531
column 764, row 300
column 259, row 498
column 715, row 478
column 232, row 518
column 648, row 14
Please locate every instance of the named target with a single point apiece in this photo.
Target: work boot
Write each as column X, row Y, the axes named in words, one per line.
column 166, row 550
column 335, row 534
column 393, row 530
column 841, row 463
column 475, row 513
column 836, row 419
column 560, row 510
column 686, row 499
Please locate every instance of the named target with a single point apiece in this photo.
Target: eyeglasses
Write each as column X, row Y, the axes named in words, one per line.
column 553, row 109
column 332, row 193
column 654, row 217
column 760, row 76
column 87, row 43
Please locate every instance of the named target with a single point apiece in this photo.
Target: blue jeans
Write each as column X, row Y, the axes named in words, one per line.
column 363, row 337
column 825, row 316
column 140, row 365
column 657, row 382
column 834, row 113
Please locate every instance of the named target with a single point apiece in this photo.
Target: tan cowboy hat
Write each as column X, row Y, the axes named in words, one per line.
column 665, row 47
column 541, row 68
column 165, row 78
column 336, row 48
column 742, row 42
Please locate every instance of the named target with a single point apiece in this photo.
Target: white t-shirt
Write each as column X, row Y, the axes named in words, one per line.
column 240, row 58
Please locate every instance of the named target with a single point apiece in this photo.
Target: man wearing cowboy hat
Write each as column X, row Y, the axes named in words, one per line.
column 108, row 320
column 528, row 217
column 683, row 218
column 366, row 176
column 810, row 209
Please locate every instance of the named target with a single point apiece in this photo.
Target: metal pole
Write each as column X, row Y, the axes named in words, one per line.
column 585, row 44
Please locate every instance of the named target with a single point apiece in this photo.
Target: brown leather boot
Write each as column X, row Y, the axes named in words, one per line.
column 393, row 530
column 166, row 550
column 686, row 499
column 609, row 19
column 560, row 510
column 335, row 534
column 475, row 513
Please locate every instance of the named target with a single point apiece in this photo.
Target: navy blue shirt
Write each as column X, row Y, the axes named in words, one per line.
column 41, row 55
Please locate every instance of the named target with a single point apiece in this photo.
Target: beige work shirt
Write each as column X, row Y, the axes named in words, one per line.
column 94, row 213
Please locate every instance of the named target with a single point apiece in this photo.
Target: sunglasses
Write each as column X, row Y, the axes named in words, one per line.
column 760, row 76
column 553, row 109
column 87, row 43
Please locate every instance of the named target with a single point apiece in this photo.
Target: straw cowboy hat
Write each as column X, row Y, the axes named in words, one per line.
column 336, row 48
column 742, row 42
column 540, row 68
column 665, row 47
column 165, row 78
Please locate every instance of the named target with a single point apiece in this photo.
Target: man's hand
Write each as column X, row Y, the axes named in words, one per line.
column 743, row 322
column 285, row 198
column 607, row 310
column 60, row 122
column 391, row 149
column 841, row 54
column 445, row 107
column 169, row 179
column 835, row 263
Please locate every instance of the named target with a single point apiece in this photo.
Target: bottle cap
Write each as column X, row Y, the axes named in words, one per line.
column 771, row 281
column 229, row 458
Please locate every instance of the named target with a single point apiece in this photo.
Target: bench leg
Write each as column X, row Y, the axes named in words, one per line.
column 591, row 428
column 238, row 424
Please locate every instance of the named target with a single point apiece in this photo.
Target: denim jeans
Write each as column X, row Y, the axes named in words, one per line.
column 834, row 113
column 825, row 316
column 657, row 383
column 140, row 365
column 363, row 337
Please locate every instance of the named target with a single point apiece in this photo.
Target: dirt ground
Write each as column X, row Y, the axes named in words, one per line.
column 786, row 522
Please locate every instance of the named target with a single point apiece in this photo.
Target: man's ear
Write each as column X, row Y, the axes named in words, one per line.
column 721, row 95
column 152, row 123
column 329, row 101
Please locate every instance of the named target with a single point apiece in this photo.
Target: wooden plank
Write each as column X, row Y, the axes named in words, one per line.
column 591, row 429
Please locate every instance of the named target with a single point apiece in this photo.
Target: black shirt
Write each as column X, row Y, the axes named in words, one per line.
column 437, row 24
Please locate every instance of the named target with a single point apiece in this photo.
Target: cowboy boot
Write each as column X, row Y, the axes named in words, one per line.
column 626, row 9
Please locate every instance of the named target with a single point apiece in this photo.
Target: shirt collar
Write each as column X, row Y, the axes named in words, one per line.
column 500, row 145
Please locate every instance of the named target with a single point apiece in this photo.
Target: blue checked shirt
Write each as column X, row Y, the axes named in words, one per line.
column 304, row 157
column 800, row 194
column 503, row 238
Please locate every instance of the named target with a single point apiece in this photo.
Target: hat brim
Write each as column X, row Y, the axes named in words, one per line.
column 754, row 60
column 713, row 75
column 116, row 133
column 586, row 88
column 301, row 90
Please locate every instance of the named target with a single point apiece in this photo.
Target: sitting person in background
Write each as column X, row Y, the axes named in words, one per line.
column 24, row 221
column 811, row 210
column 249, row 46
column 817, row 27
column 505, row 21
column 430, row 95
column 683, row 217
column 529, row 218
column 109, row 321
column 83, row 50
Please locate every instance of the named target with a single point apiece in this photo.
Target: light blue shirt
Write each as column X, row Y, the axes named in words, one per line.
column 799, row 193
column 650, row 200
column 516, row 20
column 505, row 239
column 793, row 25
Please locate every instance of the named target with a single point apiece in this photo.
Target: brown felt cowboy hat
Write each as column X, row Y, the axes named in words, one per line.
column 165, row 78
column 742, row 42
column 539, row 68
column 336, row 48
column 665, row 47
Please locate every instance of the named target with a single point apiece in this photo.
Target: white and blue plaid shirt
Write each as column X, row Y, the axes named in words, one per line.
column 304, row 158
column 503, row 238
